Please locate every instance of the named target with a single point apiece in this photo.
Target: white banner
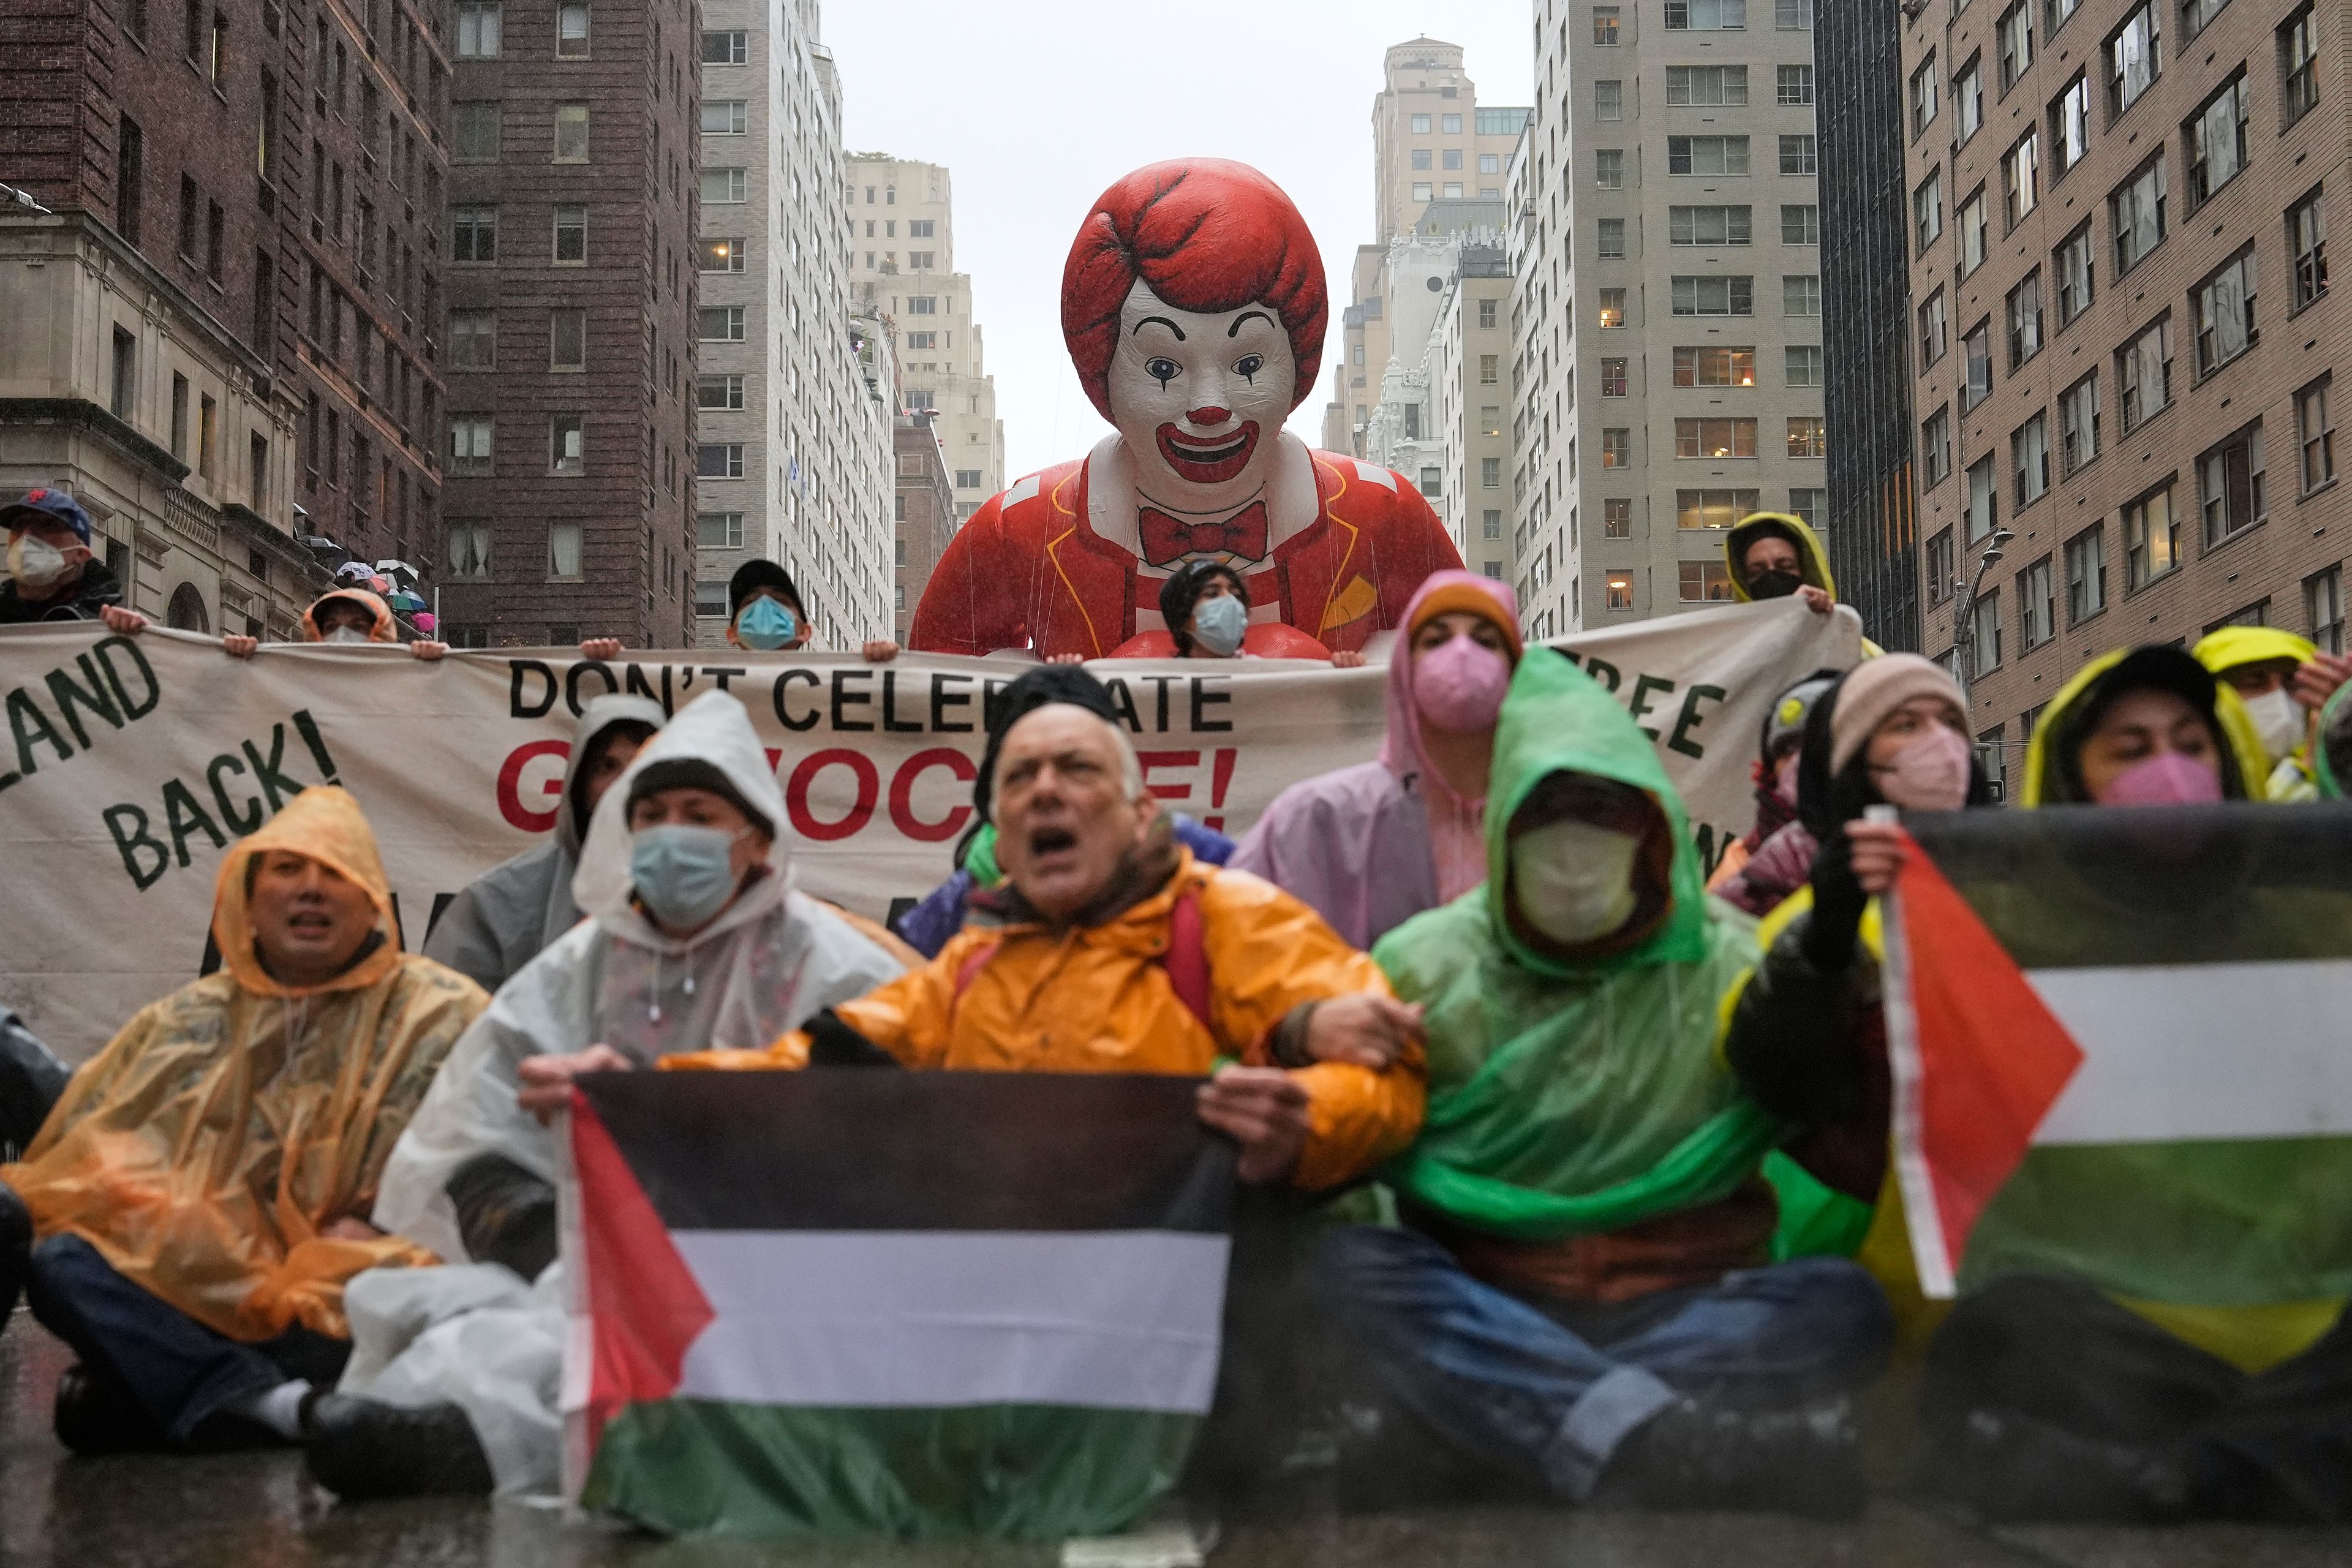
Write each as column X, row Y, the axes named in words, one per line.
column 131, row 762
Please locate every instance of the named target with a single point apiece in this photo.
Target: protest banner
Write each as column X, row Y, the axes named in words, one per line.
column 130, row 763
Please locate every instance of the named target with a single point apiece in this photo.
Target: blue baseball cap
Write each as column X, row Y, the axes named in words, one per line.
column 54, row 505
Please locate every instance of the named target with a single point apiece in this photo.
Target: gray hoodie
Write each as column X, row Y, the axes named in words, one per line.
column 509, row 912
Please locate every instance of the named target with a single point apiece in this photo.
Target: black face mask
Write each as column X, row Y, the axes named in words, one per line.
column 1773, row 585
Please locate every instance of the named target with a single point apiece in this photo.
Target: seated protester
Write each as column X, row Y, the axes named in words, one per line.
column 1373, row 844
column 1205, row 607
column 1776, row 809
column 1893, row 731
column 697, row 940
column 201, row 1191
column 343, row 616
column 1772, row 555
column 2282, row 680
column 53, row 574
column 1577, row 1301
column 766, row 612
column 2145, row 726
column 31, row 1079
column 928, row 926
column 505, row 916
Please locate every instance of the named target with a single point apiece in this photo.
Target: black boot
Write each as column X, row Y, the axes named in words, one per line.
column 97, row 1414
column 2007, row 1466
column 366, row 1448
column 1691, row 1456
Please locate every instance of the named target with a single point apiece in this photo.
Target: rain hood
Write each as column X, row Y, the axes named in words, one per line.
column 2051, row 777
column 1812, row 560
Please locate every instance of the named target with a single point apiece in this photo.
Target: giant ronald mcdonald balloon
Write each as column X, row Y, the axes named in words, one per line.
column 1194, row 307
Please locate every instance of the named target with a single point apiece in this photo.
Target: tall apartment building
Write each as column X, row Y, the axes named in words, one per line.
column 221, row 338
column 794, row 383
column 2128, row 337
column 925, row 510
column 1874, row 532
column 902, row 266
column 570, row 356
column 1666, row 247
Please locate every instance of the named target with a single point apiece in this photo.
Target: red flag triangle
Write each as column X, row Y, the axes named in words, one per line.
column 1980, row 1061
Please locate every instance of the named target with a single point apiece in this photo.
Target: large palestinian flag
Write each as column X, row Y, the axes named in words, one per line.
column 922, row 1304
column 2122, row 1042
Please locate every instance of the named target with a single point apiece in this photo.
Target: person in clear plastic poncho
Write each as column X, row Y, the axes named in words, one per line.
column 201, row 1191
column 1578, row 1301
column 696, row 940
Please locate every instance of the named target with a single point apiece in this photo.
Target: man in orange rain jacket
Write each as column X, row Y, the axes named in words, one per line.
column 201, row 1189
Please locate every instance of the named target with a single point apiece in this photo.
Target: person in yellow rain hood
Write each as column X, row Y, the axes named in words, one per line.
column 188, row 1214
column 2282, row 680
column 1772, row 555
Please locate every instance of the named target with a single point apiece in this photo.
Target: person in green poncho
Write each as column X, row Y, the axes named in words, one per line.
column 1579, row 1298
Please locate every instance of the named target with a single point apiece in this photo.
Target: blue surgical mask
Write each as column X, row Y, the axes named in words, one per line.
column 1218, row 625
column 684, row 875
column 767, row 625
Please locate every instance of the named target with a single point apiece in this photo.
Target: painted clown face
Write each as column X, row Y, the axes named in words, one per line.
column 1200, row 398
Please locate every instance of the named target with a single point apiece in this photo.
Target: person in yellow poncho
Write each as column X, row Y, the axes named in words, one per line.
column 2282, row 680
column 200, row 1192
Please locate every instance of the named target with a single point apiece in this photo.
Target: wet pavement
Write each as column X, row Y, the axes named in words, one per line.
column 258, row 1510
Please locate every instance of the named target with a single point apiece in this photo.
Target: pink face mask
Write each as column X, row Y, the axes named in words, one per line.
column 1459, row 684
column 2166, row 778
column 1930, row 773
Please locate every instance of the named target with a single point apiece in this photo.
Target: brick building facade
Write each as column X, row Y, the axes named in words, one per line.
column 925, row 507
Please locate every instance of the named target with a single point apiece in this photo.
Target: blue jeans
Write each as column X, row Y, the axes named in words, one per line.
column 1548, row 1389
column 180, row 1371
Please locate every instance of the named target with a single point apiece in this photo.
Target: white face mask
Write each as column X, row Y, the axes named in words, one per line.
column 1573, row 881
column 36, row 562
column 2279, row 720
column 347, row 633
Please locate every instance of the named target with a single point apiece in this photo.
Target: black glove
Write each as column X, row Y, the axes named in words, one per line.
column 1838, row 904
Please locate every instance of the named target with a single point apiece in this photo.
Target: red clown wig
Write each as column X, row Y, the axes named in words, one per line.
column 1205, row 234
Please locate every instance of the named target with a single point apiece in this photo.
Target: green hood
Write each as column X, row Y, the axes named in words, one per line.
column 1812, row 560
column 2332, row 758
column 1569, row 1099
column 1558, row 719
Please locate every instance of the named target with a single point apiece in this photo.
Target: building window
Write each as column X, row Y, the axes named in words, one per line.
column 2022, row 177
column 1927, row 210
column 1709, row 438
column 1984, row 500
column 1713, row 367
column 2015, row 30
column 2078, row 421
column 2298, row 50
column 1619, row 586
column 1608, row 100
column 473, row 340
column 2070, row 126
column 1935, row 329
column 1609, row 168
column 923, row 305
column 2323, row 601
column 1796, row 83
column 1612, row 308
column 563, row 550
column 1800, row 294
column 1800, row 364
column 2135, row 56
column 719, row 460
column 2086, row 573
column 1807, row 502
column 473, row 235
column 720, row 255
column 571, row 133
column 1612, row 238
column 1936, row 449
column 2072, row 263
column 1729, row 295
column 572, row 30
column 1604, row 26
column 1421, row 158
column 1704, row 583
column 1709, row 225
column 478, row 29
column 719, row 392
column 2217, row 140
column 1450, row 125
column 2024, row 311
column 1973, row 232
column 1706, row 87
column 1968, row 99
column 567, row 340
column 1984, row 635
column 1490, row 370
column 1800, row 155
column 469, row 443
column 1800, row 223
column 1793, row 15
column 1940, row 567
column 2151, row 539
column 1490, row 525
column 468, row 550
column 719, row 323
column 2137, row 213
column 474, row 139
column 2230, row 485
column 1613, row 377
column 718, row 530
column 566, row 444
column 2144, row 374
column 1489, row 312
column 725, row 116
column 1923, row 96
column 1422, row 191
column 723, row 186
column 1807, row 437
column 571, row 234
column 2306, row 241
column 2225, row 312
column 1705, row 15
column 967, row 478
column 724, row 48
column 710, row 596
column 1432, row 481
column 190, row 203
column 2315, row 433
column 1490, row 473
column 2029, row 459
column 1420, row 124
column 1712, row 509
column 1706, row 154
column 1616, row 447
column 2037, row 604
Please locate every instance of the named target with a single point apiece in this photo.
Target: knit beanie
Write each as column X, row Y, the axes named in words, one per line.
column 1876, row 687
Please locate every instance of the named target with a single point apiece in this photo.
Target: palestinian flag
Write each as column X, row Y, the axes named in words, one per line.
column 940, row 1304
column 2121, row 1044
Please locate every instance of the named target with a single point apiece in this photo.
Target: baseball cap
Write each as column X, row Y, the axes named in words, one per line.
column 54, row 505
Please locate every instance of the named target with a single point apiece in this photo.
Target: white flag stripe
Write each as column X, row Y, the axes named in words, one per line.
column 1110, row 1319
column 2203, row 1051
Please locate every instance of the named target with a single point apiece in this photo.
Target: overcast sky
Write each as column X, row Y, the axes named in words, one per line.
column 1035, row 106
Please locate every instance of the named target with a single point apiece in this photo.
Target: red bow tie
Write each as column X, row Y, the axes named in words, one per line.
column 1168, row 539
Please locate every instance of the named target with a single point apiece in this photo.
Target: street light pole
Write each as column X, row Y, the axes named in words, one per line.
column 1964, row 614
